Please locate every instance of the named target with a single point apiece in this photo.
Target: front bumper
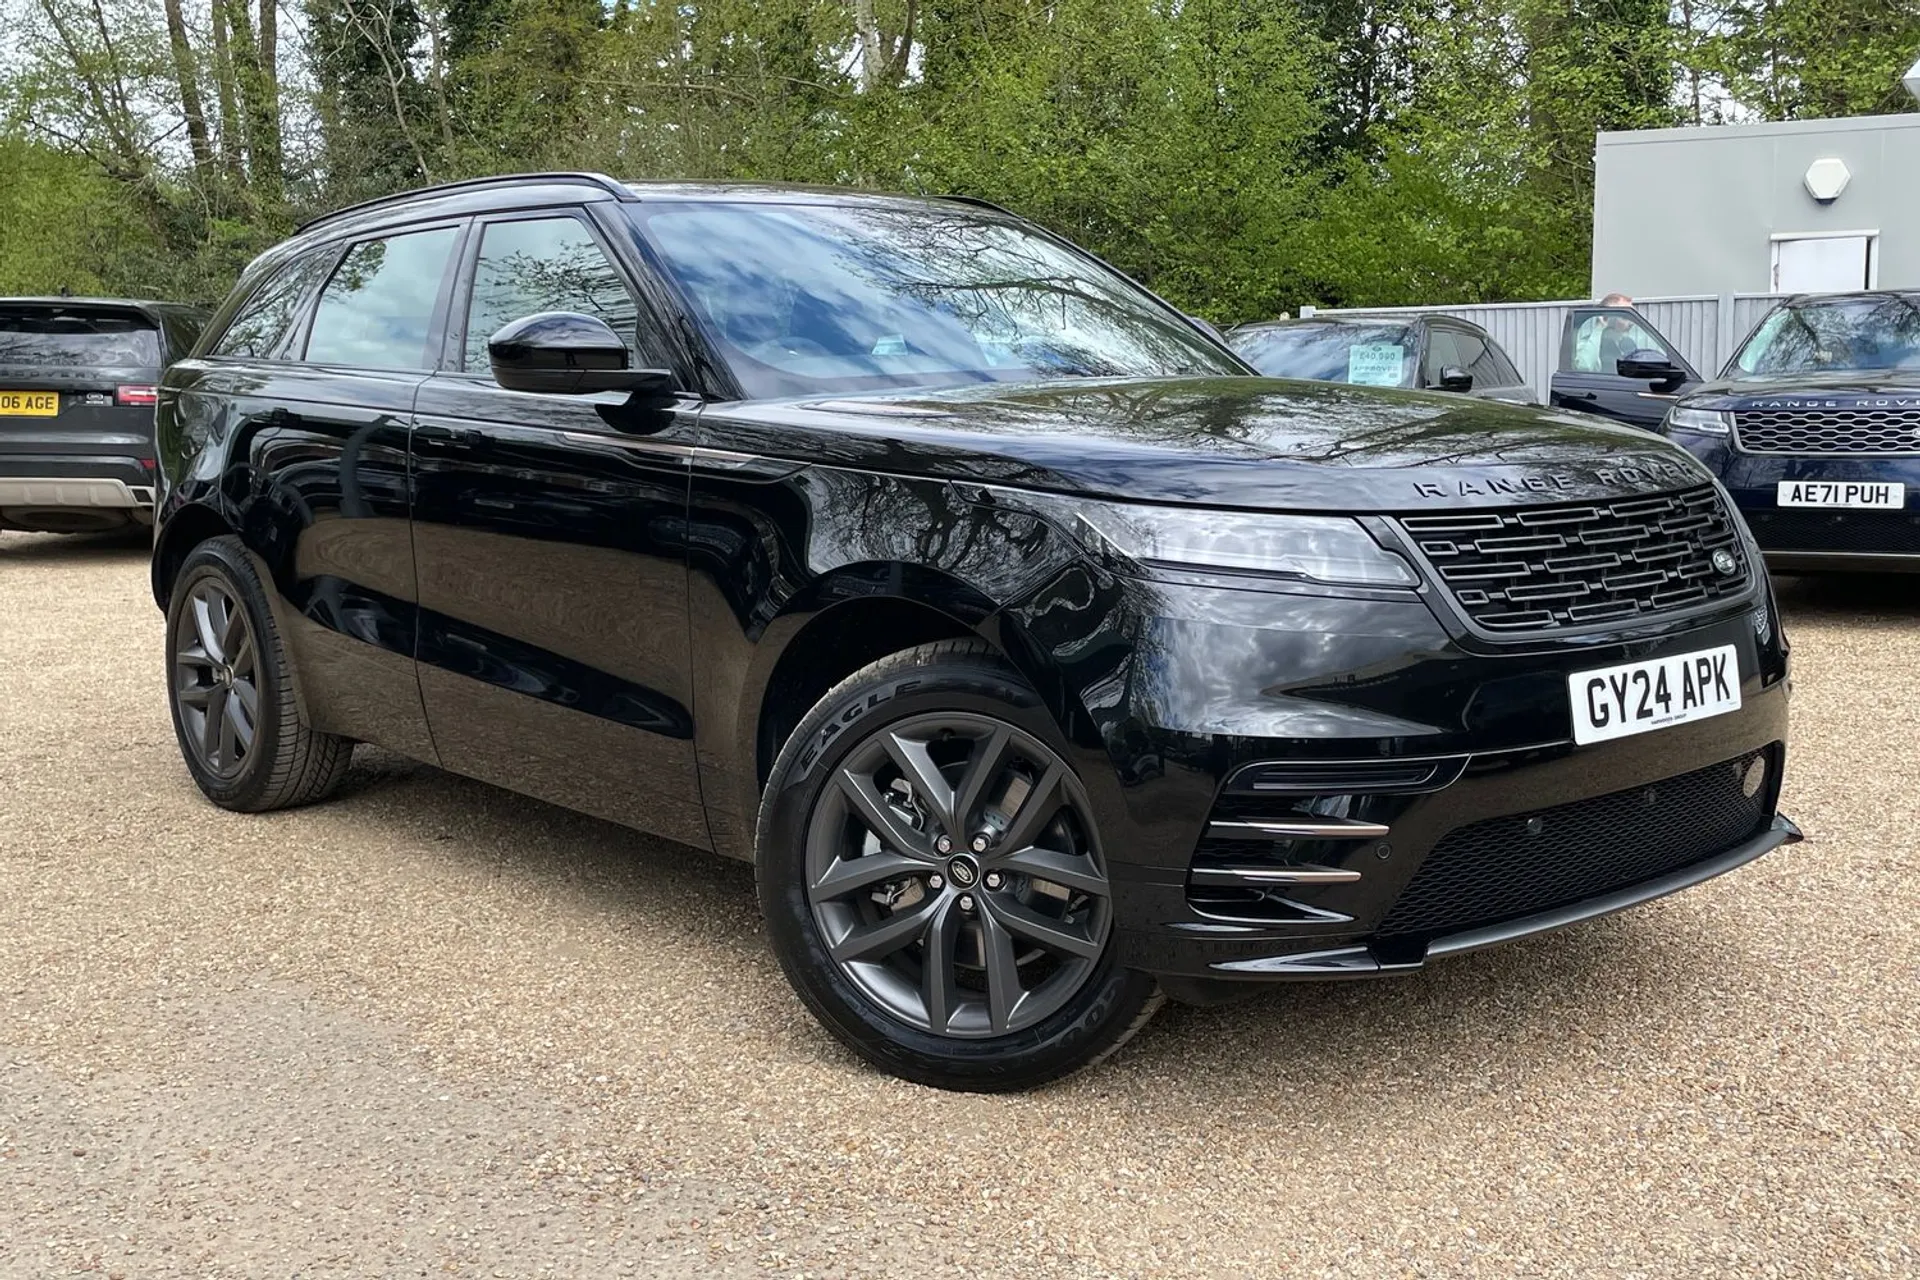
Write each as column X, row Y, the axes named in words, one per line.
column 1364, row 961
column 1405, row 740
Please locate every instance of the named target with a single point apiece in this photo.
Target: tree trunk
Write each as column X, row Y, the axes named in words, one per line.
column 188, row 77
column 259, row 105
column 223, row 78
column 270, row 78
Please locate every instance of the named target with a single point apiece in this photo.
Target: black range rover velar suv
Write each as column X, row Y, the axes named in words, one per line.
column 1042, row 658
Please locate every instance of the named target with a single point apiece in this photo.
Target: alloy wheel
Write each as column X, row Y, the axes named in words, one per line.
column 954, row 873
column 216, row 678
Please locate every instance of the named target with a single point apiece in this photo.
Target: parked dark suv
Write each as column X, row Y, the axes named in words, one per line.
column 77, row 385
column 1430, row 352
column 1041, row 657
column 1814, row 428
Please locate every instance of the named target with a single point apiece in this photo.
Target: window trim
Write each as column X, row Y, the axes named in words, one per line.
column 436, row 321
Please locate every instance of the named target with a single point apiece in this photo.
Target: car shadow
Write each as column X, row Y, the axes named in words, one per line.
column 1529, row 1005
column 134, row 543
column 1890, row 598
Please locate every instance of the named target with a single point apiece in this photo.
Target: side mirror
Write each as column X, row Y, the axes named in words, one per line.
column 1454, row 378
column 1649, row 365
column 567, row 353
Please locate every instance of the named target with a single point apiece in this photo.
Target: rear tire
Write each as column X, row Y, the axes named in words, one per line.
column 235, row 712
column 981, row 967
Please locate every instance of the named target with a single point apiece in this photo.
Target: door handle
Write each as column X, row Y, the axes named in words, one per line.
column 448, row 438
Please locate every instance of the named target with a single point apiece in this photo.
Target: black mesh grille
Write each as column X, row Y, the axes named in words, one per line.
column 1889, row 532
column 1514, row 866
column 1542, row 568
column 1852, row 429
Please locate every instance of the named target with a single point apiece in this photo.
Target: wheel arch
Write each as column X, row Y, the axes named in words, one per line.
column 840, row 623
column 183, row 530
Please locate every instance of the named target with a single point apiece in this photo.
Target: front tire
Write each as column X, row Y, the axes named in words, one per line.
column 235, row 712
column 932, row 878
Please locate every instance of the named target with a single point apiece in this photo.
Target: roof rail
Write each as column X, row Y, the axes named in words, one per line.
column 979, row 203
column 599, row 180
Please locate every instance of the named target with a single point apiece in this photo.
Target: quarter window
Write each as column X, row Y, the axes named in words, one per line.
column 544, row 264
column 260, row 327
column 377, row 310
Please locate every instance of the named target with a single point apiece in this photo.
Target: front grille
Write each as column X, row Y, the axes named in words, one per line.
column 1841, row 430
column 1884, row 532
column 1543, row 568
column 1514, row 866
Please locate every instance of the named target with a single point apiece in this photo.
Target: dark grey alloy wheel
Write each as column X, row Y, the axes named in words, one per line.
column 952, row 872
column 234, row 707
column 216, row 680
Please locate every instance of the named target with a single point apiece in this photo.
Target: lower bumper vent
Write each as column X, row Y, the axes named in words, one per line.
column 1866, row 532
column 1513, row 866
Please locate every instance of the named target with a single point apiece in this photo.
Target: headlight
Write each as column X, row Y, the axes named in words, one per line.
column 1317, row 548
column 1707, row 422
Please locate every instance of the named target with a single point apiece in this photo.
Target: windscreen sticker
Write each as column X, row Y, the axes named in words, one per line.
column 1375, row 364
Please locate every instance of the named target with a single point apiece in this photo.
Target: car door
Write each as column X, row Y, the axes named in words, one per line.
column 320, row 412
column 1588, row 377
column 550, row 546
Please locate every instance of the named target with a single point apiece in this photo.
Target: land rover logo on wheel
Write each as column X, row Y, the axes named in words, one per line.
column 1724, row 563
column 963, row 871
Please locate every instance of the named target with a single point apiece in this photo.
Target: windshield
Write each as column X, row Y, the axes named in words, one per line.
column 49, row 337
column 1366, row 355
column 1837, row 334
column 809, row 298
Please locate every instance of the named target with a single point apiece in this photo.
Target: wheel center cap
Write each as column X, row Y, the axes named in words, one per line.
column 963, row 871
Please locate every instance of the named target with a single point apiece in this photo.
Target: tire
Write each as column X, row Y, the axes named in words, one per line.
column 224, row 652
column 944, row 740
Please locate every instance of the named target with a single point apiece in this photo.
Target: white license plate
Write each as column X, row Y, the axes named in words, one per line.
column 1860, row 495
column 1636, row 697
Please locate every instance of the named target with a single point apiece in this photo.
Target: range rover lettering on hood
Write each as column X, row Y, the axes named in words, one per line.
column 1641, row 473
column 1857, row 402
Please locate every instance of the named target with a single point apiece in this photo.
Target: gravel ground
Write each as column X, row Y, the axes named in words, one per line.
column 434, row 1028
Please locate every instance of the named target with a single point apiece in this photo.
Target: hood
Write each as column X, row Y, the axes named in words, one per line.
column 1231, row 442
column 1842, row 389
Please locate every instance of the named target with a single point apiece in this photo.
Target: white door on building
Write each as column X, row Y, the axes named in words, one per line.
column 1822, row 264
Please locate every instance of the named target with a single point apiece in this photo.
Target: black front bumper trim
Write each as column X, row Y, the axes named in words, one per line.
column 1366, row 962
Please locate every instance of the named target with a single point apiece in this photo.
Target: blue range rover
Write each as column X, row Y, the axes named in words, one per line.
column 1814, row 427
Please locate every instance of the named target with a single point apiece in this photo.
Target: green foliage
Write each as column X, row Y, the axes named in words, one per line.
column 61, row 218
column 1240, row 156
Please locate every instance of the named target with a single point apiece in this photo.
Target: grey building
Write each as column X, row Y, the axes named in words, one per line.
column 1800, row 206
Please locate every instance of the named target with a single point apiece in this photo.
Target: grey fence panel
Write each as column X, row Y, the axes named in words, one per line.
column 1704, row 328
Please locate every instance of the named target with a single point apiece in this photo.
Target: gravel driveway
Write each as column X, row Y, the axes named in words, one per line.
column 434, row 1028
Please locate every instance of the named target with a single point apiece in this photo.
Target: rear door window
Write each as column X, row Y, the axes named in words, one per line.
column 377, row 310
column 56, row 337
column 259, row 329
